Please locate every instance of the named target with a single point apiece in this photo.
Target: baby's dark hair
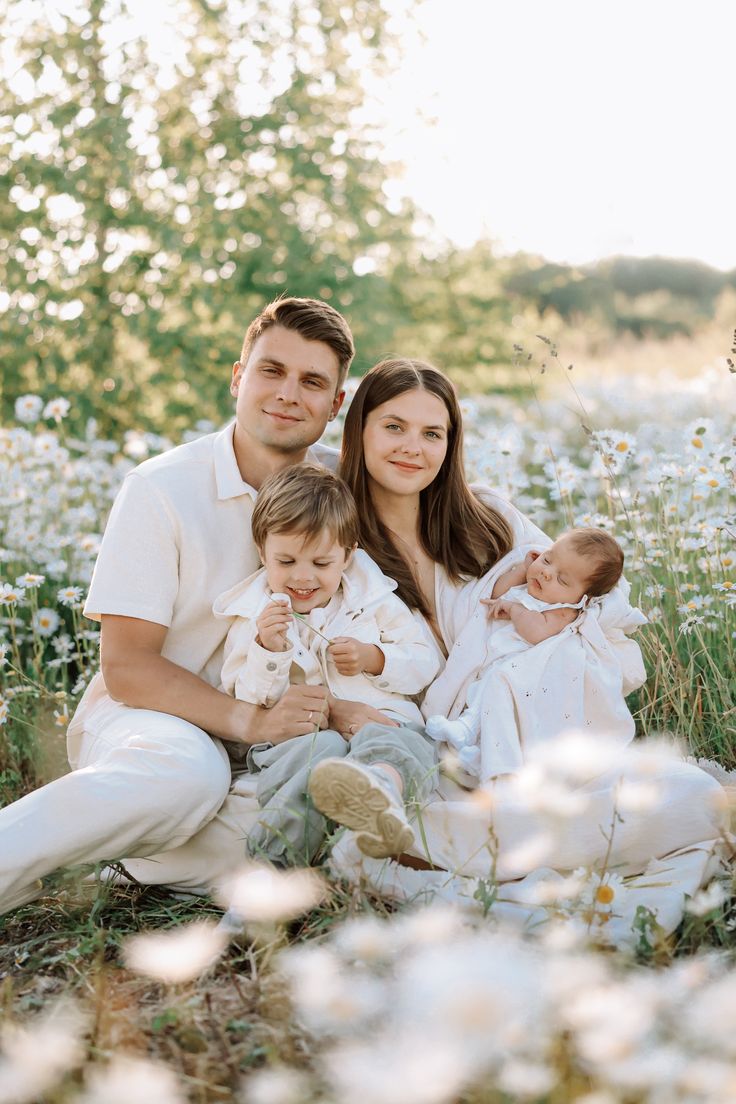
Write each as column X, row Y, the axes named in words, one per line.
column 305, row 499
column 606, row 554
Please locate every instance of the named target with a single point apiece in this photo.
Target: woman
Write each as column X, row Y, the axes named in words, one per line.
column 402, row 456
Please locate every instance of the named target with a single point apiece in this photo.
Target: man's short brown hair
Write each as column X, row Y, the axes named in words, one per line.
column 606, row 556
column 311, row 319
column 305, row 499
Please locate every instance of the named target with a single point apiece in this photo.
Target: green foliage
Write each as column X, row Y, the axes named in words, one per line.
column 152, row 210
column 645, row 297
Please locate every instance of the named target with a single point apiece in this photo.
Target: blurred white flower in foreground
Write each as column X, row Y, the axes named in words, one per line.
column 706, row 900
column 275, row 1086
column 36, row 1057
column 177, row 955
column 132, row 1079
column 404, row 1069
column 262, row 894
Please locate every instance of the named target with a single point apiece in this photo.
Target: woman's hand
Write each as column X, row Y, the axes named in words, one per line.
column 351, row 657
column 347, row 717
column 272, row 624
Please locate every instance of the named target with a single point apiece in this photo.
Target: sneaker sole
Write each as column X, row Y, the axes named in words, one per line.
column 347, row 795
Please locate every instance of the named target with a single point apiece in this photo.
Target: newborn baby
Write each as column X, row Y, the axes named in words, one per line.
column 537, row 599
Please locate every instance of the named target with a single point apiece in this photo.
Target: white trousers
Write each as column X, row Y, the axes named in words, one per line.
column 142, row 782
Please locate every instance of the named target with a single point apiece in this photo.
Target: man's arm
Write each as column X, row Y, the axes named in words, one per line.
column 138, row 675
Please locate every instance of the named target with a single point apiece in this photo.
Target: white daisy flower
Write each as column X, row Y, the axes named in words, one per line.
column 28, row 408
column 10, row 595
column 69, row 596
column 57, row 409
column 45, row 621
column 29, row 581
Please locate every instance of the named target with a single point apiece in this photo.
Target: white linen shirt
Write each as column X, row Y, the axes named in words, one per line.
column 178, row 534
column 364, row 608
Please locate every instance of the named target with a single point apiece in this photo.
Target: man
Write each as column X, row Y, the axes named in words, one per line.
column 147, row 775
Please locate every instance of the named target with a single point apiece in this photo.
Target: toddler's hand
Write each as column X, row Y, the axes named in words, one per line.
column 272, row 624
column 351, row 657
column 347, row 655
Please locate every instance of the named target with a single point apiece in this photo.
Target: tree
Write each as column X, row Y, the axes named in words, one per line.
column 155, row 201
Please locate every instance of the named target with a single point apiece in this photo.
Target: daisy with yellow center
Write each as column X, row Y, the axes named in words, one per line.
column 605, row 894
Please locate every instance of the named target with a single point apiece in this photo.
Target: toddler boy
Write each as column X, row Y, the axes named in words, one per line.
column 320, row 611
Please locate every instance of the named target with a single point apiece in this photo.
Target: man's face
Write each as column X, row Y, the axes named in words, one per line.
column 287, row 390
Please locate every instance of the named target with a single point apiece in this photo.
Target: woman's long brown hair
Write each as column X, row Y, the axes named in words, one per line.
column 456, row 529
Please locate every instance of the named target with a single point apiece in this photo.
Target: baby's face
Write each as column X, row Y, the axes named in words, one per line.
column 559, row 575
column 309, row 571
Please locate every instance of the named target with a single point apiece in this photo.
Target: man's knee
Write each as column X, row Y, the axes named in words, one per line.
column 175, row 767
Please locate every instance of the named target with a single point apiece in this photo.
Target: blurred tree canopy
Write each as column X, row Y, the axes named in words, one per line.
column 152, row 207
column 156, row 192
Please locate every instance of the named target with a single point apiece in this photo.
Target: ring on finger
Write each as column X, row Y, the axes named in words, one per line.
column 309, row 718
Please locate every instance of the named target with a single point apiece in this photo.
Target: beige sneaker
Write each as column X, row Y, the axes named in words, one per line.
column 364, row 799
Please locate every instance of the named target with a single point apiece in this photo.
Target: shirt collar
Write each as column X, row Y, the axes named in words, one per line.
column 230, row 483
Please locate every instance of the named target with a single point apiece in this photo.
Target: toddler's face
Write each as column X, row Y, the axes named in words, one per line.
column 559, row 575
column 309, row 571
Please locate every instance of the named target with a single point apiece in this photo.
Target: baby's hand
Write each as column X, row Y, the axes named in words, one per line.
column 499, row 609
column 353, row 658
column 272, row 624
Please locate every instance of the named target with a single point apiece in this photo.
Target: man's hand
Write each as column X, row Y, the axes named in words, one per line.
column 351, row 657
column 272, row 624
column 347, row 717
column 301, row 710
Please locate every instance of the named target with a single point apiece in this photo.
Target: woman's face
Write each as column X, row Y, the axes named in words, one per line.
column 405, row 442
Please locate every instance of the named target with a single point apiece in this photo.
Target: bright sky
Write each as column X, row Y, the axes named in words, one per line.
column 571, row 128
column 575, row 128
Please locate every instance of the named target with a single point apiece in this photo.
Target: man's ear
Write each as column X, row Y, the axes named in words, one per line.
column 336, row 404
column 235, row 378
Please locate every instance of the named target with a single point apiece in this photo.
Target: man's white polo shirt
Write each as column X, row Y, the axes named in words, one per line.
column 178, row 535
